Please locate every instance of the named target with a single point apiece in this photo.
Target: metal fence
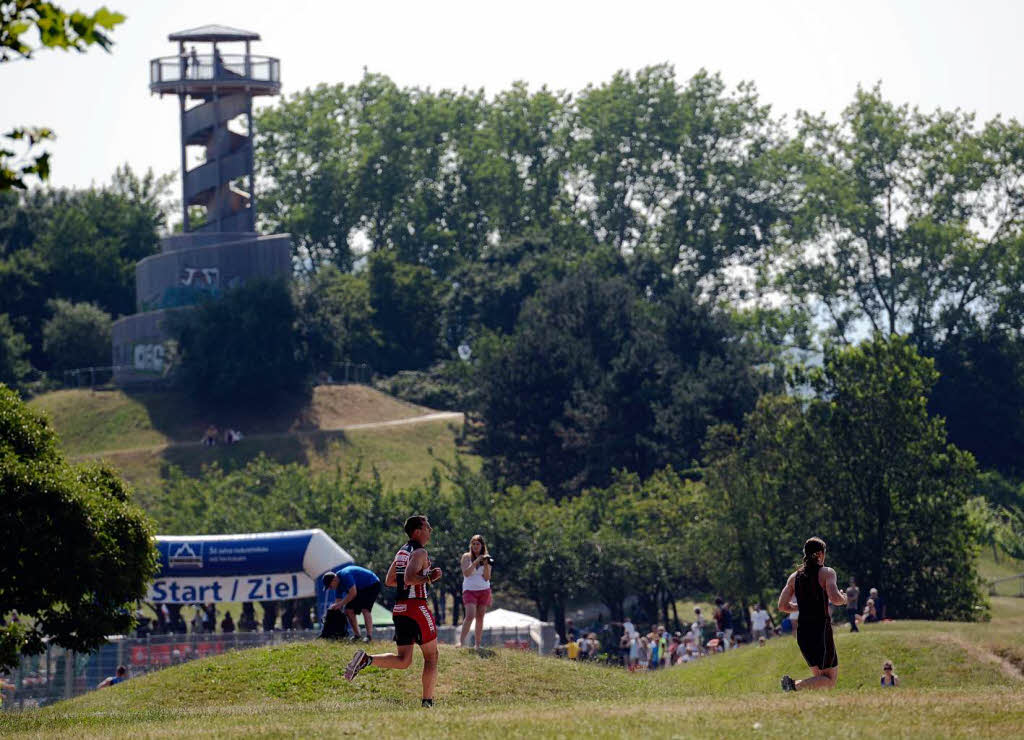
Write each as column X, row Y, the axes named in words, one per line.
column 995, row 590
column 98, row 378
column 61, row 674
column 346, row 372
column 91, row 377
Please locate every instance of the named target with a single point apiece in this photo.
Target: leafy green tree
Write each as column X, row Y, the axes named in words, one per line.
column 336, row 318
column 13, row 348
column 980, row 393
column 757, row 499
column 243, row 346
column 683, row 176
column 895, row 488
column 910, row 223
column 862, row 464
column 597, row 377
column 405, row 300
column 57, row 29
column 78, row 335
column 75, row 551
column 76, row 245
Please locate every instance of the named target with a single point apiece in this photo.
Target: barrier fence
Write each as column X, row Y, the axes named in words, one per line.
column 103, row 377
column 61, row 674
column 994, row 586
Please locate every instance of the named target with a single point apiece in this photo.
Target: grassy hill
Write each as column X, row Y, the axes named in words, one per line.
column 955, row 685
column 142, row 432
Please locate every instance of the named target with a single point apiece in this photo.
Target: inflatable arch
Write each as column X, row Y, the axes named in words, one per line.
column 267, row 566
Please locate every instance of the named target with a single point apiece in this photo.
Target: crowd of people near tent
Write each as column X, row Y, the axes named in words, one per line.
column 624, row 644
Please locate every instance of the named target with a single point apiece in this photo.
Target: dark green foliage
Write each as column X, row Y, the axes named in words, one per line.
column 76, row 245
column 57, row 29
column 446, row 385
column 598, row 377
column 242, row 347
column 74, row 551
column 863, row 465
column 405, row 299
column 14, row 365
column 980, row 393
column 78, row 335
column 336, row 320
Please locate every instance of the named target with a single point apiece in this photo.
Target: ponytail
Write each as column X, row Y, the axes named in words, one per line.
column 811, row 549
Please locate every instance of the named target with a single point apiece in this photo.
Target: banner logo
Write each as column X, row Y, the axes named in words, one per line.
column 186, row 555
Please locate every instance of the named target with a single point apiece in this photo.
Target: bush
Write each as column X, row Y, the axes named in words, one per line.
column 78, row 335
column 13, row 348
column 243, row 346
column 446, row 385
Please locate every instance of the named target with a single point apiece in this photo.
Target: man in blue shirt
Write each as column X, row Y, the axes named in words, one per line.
column 355, row 590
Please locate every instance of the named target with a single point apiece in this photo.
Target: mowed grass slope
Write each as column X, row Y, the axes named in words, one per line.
column 142, row 433
column 953, row 687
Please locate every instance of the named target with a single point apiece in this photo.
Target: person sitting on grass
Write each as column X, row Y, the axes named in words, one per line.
column 869, row 614
column 888, row 677
column 121, row 674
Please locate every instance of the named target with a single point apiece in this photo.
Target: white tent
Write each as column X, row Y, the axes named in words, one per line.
column 503, row 619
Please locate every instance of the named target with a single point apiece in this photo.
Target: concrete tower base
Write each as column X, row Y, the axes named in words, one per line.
column 191, row 268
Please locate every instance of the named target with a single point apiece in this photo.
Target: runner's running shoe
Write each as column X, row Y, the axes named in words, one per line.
column 788, row 684
column 359, row 661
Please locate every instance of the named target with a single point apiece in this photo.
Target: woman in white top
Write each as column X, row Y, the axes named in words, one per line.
column 476, row 587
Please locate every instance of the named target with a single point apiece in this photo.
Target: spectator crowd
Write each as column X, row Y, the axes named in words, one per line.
column 656, row 647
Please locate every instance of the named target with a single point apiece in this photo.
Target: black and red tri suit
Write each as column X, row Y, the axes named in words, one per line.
column 413, row 621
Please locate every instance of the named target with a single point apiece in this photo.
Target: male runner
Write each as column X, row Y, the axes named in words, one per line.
column 410, row 572
column 814, row 586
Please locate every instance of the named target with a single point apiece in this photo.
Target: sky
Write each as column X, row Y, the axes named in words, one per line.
column 801, row 55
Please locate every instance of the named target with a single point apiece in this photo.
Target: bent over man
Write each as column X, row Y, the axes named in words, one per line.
column 814, row 587
column 410, row 573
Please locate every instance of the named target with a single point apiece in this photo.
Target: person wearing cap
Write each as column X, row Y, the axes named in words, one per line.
column 355, row 590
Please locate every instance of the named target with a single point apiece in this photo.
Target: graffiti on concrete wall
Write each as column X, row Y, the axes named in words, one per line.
column 195, row 284
column 201, row 277
column 148, row 358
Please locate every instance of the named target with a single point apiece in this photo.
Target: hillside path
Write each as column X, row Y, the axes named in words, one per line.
column 436, row 416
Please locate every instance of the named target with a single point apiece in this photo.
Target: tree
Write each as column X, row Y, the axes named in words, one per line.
column 405, row 300
column 75, row 551
column 78, row 245
column 243, row 346
column 78, row 335
column 336, row 319
column 895, row 488
column 683, row 176
column 57, row 29
column 980, row 393
column 758, row 501
column 862, row 464
column 598, row 376
column 910, row 223
column 13, row 365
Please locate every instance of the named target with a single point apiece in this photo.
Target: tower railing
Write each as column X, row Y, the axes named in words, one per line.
column 227, row 68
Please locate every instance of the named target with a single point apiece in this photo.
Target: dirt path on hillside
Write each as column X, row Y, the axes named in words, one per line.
column 437, row 416
column 982, row 654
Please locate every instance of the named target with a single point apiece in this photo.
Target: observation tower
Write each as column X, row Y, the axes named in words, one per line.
column 214, row 89
column 215, row 77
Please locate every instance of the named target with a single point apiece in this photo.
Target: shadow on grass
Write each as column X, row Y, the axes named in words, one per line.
column 183, row 418
column 285, row 449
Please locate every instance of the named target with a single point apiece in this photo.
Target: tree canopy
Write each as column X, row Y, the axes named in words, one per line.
column 74, row 551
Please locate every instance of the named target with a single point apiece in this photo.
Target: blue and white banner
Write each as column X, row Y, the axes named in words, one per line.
column 268, row 566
